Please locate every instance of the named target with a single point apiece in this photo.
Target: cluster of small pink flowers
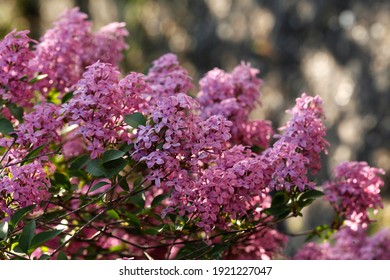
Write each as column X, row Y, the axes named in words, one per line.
column 354, row 189
column 172, row 126
column 178, row 132
column 98, row 106
column 253, row 133
column 313, row 251
column 23, row 185
column 224, row 192
column 60, row 51
column 306, row 130
column 65, row 50
column 234, row 95
column 263, row 244
column 297, row 151
column 41, row 126
column 288, row 167
column 15, row 68
column 166, row 77
column 134, row 89
column 377, row 246
column 349, row 245
column 108, row 44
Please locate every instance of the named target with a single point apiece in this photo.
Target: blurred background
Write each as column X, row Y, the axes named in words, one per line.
column 339, row 50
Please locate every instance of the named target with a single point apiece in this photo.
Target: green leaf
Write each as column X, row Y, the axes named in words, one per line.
column 54, row 97
column 98, row 186
column 303, row 203
column 138, row 200
column 194, row 251
column 113, row 167
column 138, row 181
column 257, row 149
column 52, row 215
column 34, row 153
column 81, row 174
column 3, row 230
column 311, row 194
column 37, row 78
column 133, row 220
column 123, row 183
column 280, row 211
column 135, row 119
column 67, row 97
column 44, row 257
column 158, row 199
column 127, row 147
column 16, row 111
column 62, row 256
column 279, row 198
column 111, row 155
column 62, row 181
column 154, row 230
column 43, row 237
column 79, row 162
column 94, row 168
column 113, row 214
column 27, row 236
column 5, row 126
column 18, row 216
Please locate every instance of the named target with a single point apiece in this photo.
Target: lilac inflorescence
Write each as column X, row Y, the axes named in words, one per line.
column 353, row 191
column 15, row 68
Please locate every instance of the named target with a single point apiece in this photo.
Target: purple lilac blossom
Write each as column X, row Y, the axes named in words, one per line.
column 15, row 68
column 355, row 189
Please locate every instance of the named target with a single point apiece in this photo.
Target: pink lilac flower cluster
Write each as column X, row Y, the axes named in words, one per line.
column 178, row 147
column 353, row 191
column 349, row 245
column 234, row 95
column 264, row 244
column 108, row 44
column 15, row 68
column 65, row 50
column 297, row 151
column 100, row 101
column 41, row 126
column 22, row 185
column 166, row 77
column 226, row 190
column 174, row 130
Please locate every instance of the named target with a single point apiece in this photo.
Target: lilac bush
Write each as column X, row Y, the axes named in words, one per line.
column 96, row 164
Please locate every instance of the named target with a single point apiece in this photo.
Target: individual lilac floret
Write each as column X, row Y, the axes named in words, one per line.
column 166, row 77
column 297, row 151
column 354, row 189
column 15, row 68
column 41, row 126
column 60, row 53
